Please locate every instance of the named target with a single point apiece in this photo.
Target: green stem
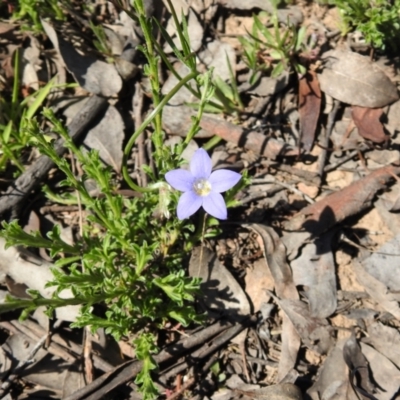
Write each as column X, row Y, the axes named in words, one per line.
column 212, row 142
column 142, row 127
column 199, row 231
column 15, row 303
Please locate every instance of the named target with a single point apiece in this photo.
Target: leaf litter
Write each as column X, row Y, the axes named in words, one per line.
column 312, row 253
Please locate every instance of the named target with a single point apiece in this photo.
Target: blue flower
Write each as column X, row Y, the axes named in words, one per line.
column 201, row 187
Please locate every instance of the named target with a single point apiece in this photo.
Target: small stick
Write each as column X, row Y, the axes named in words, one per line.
column 202, row 243
column 21, row 366
column 325, row 141
column 140, row 142
column 127, row 371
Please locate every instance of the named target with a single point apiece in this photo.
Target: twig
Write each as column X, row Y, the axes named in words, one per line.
column 363, row 147
column 258, row 109
column 254, row 360
column 87, row 355
column 192, row 380
column 140, row 142
column 285, row 185
column 34, row 332
column 21, row 366
column 127, row 371
column 326, row 138
column 183, row 388
column 31, row 178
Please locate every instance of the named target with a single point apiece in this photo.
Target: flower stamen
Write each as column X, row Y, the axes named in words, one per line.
column 202, row 187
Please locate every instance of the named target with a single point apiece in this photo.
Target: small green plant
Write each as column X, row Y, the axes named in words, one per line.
column 130, row 255
column 228, row 93
column 274, row 50
column 377, row 20
column 16, row 116
column 101, row 42
column 32, row 11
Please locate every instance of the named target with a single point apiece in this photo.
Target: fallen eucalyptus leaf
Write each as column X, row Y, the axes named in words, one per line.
column 356, row 80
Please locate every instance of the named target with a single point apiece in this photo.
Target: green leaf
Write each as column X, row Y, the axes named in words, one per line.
column 40, row 97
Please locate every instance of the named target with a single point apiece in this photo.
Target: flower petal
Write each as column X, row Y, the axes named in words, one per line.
column 214, row 204
column 188, row 204
column 180, row 179
column 200, row 164
column 223, row 179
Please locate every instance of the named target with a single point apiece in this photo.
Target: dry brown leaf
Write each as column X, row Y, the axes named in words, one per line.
column 309, row 108
column 368, row 123
column 6, row 27
column 384, row 372
column 386, row 340
column 358, row 368
column 377, row 290
column 315, row 269
column 310, row 329
column 332, row 382
column 356, row 80
column 382, row 264
column 258, row 280
column 334, row 208
column 220, row 290
column 275, row 255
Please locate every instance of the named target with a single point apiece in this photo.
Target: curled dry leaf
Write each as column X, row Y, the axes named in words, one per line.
column 309, row 108
column 259, row 279
column 358, row 368
column 367, row 121
column 384, row 373
column 220, row 290
column 221, row 293
column 332, row 382
column 310, row 329
column 356, row 80
column 315, row 269
column 275, row 255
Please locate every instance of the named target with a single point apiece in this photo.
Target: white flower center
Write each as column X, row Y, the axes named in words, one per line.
column 202, row 187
